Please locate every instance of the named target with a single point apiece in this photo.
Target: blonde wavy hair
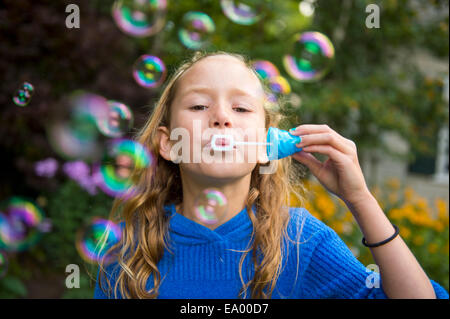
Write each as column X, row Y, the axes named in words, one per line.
column 144, row 236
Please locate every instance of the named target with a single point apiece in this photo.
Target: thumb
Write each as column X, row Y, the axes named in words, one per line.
column 309, row 160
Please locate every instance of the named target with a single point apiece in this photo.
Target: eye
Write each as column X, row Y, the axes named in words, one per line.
column 241, row 109
column 198, row 107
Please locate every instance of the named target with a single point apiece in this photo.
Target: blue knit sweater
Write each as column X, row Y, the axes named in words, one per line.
column 205, row 263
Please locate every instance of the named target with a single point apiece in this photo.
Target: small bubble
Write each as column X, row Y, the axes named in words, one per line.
column 23, row 95
column 210, row 206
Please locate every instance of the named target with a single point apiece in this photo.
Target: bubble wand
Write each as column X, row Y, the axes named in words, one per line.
column 280, row 143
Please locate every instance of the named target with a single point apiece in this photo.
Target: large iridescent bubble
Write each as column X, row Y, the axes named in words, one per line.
column 95, row 239
column 311, row 57
column 120, row 159
column 196, row 31
column 149, row 71
column 245, row 12
column 119, row 121
column 20, row 224
column 279, row 86
column 265, row 69
column 210, row 206
column 140, row 18
column 75, row 134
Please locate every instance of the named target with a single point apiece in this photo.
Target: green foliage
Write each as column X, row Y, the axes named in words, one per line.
column 86, row 290
column 69, row 209
column 12, row 287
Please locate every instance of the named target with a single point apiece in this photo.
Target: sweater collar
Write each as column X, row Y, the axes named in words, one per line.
column 187, row 231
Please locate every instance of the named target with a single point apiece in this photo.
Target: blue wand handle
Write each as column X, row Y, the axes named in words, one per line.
column 281, row 143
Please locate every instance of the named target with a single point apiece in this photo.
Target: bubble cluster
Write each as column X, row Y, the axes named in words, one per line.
column 265, row 69
column 76, row 134
column 210, row 206
column 311, row 57
column 244, row 12
column 95, row 239
column 149, row 71
column 20, row 224
column 120, row 159
column 23, row 95
column 119, row 120
column 279, row 86
column 196, row 31
column 140, row 18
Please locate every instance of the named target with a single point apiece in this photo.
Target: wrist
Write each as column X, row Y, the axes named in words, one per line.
column 362, row 203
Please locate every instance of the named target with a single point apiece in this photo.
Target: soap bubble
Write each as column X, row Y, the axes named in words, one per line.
column 210, row 206
column 265, row 69
column 23, row 95
column 75, row 134
column 20, row 224
column 95, row 239
column 140, row 18
column 120, row 159
column 119, row 121
column 149, row 71
column 245, row 12
column 307, row 7
column 3, row 264
column 311, row 57
column 197, row 28
column 279, row 86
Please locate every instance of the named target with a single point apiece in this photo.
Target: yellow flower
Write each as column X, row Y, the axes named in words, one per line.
column 422, row 204
column 348, row 217
column 405, row 232
column 326, row 206
column 421, row 219
column 432, row 248
column 337, row 226
column 393, row 183
column 438, row 226
column 409, row 193
column 393, row 198
column 442, row 210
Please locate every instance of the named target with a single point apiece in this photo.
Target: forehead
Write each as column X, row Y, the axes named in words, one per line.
column 221, row 72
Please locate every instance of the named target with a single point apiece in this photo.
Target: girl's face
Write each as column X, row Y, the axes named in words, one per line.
column 218, row 95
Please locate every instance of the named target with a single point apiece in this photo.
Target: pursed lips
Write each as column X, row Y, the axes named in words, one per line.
column 220, row 142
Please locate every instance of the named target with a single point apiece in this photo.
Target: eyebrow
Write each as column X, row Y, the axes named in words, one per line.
column 206, row 89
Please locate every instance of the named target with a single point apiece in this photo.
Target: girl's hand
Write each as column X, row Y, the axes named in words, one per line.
column 340, row 174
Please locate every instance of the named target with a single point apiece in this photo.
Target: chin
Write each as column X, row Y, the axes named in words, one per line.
column 223, row 171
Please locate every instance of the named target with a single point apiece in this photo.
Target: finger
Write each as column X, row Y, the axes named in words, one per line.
column 306, row 129
column 309, row 160
column 332, row 153
column 336, row 141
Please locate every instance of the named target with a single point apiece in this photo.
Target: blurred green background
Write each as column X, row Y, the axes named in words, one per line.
column 370, row 74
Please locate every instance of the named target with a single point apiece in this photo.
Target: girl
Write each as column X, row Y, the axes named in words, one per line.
column 261, row 248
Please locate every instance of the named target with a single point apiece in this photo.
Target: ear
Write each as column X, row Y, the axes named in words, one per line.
column 164, row 142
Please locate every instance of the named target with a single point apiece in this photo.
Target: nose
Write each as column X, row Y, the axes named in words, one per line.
column 220, row 117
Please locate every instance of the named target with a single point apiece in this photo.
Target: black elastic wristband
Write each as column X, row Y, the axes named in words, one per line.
column 382, row 242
